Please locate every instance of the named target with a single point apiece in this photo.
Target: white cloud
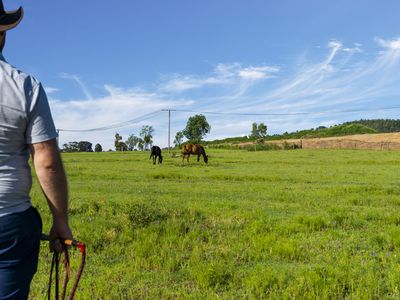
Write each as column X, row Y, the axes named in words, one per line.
column 78, row 80
column 117, row 106
column 256, row 73
column 222, row 75
column 355, row 49
column 334, row 44
column 390, row 44
column 51, row 90
column 183, row 83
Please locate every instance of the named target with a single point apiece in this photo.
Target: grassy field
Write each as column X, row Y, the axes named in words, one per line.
column 249, row 225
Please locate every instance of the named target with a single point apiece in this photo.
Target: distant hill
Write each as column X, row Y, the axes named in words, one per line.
column 380, row 125
column 348, row 128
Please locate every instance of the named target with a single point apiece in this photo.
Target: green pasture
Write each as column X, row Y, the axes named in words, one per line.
column 301, row 224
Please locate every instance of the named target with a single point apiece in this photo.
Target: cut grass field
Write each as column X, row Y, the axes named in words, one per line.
column 378, row 141
column 272, row 224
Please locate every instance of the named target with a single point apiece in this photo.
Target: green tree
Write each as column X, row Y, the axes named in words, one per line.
column 147, row 135
column 258, row 131
column 117, row 140
column 82, row 146
column 119, row 145
column 262, row 130
column 123, row 146
column 85, row 146
column 71, row 147
column 140, row 144
column 196, row 128
column 178, row 139
column 98, row 148
column 132, row 141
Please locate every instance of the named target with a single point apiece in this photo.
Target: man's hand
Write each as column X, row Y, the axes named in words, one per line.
column 59, row 231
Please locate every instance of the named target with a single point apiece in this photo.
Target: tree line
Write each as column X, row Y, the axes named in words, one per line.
column 141, row 142
column 197, row 127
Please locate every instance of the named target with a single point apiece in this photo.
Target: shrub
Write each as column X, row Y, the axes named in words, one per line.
column 141, row 215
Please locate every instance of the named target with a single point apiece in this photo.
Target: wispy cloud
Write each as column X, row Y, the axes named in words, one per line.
column 257, row 73
column 78, row 80
column 222, row 75
column 390, row 44
column 183, row 83
column 51, row 90
column 341, row 78
column 355, row 49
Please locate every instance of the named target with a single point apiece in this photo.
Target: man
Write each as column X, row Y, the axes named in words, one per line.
column 26, row 126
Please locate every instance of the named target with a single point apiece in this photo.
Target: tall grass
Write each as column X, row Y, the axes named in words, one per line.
column 276, row 224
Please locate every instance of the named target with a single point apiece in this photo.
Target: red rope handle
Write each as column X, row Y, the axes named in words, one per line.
column 55, row 265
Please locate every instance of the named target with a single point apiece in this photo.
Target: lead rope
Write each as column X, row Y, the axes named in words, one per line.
column 55, row 265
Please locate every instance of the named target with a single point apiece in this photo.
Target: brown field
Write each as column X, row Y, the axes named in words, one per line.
column 380, row 141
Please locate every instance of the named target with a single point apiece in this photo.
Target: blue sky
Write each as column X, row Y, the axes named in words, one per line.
column 104, row 62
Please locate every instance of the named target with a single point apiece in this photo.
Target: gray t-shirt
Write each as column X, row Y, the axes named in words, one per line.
column 25, row 119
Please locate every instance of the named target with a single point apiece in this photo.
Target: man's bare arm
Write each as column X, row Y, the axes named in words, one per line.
column 51, row 175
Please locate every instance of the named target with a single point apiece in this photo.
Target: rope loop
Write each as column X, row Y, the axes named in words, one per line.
column 55, row 268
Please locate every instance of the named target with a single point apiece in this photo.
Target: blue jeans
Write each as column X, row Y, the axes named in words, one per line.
column 19, row 252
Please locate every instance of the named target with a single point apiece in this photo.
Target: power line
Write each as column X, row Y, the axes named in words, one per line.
column 116, row 125
column 291, row 114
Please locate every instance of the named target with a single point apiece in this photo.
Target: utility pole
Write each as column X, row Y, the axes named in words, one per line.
column 169, row 127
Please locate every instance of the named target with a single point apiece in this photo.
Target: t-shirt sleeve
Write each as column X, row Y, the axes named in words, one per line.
column 40, row 126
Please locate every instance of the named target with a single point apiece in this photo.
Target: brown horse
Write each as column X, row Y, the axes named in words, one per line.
column 195, row 149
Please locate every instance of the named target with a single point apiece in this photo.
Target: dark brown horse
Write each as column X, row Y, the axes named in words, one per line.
column 195, row 149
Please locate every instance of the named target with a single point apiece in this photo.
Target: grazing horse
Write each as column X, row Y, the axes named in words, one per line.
column 156, row 152
column 195, row 149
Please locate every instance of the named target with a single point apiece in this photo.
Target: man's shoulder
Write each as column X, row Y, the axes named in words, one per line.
column 14, row 75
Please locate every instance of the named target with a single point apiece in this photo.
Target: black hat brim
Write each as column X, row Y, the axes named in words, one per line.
column 11, row 19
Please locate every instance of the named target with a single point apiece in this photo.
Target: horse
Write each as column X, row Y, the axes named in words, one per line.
column 156, row 152
column 195, row 149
